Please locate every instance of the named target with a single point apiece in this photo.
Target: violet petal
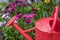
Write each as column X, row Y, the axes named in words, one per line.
column 4, row 12
column 18, row 16
column 24, row 16
column 28, row 21
column 30, row 15
column 8, row 5
column 20, row 1
column 11, row 9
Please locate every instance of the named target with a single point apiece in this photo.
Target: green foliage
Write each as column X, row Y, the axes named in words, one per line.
column 11, row 0
column 11, row 34
column 3, row 5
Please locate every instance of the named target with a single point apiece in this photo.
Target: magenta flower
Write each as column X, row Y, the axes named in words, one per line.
column 20, row 4
column 20, row 1
column 8, row 5
column 24, row 16
column 27, row 16
column 18, row 16
column 4, row 11
column 30, row 15
column 13, row 3
column 12, row 7
column 28, row 21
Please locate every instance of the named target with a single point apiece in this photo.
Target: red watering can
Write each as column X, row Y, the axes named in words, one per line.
column 45, row 28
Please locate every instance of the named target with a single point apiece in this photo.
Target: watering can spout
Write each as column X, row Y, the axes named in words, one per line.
column 11, row 22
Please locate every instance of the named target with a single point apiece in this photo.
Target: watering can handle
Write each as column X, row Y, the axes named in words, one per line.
column 54, row 15
column 55, row 12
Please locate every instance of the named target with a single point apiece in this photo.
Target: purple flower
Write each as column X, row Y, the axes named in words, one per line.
column 4, row 11
column 13, row 3
column 8, row 5
column 31, row 15
column 24, row 16
column 20, row 1
column 27, row 16
column 25, row 4
column 20, row 4
column 11, row 9
column 28, row 21
column 18, row 16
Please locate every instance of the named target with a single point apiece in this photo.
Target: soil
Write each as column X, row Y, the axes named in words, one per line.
column 1, row 35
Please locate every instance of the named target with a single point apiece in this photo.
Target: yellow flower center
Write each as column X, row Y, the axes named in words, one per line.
column 47, row 1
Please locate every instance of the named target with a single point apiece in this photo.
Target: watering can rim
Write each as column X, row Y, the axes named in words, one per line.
column 49, row 18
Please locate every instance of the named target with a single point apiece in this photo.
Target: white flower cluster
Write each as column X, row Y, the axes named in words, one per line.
column 36, row 1
column 6, row 16
column 29, row 1
column 2, row 23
